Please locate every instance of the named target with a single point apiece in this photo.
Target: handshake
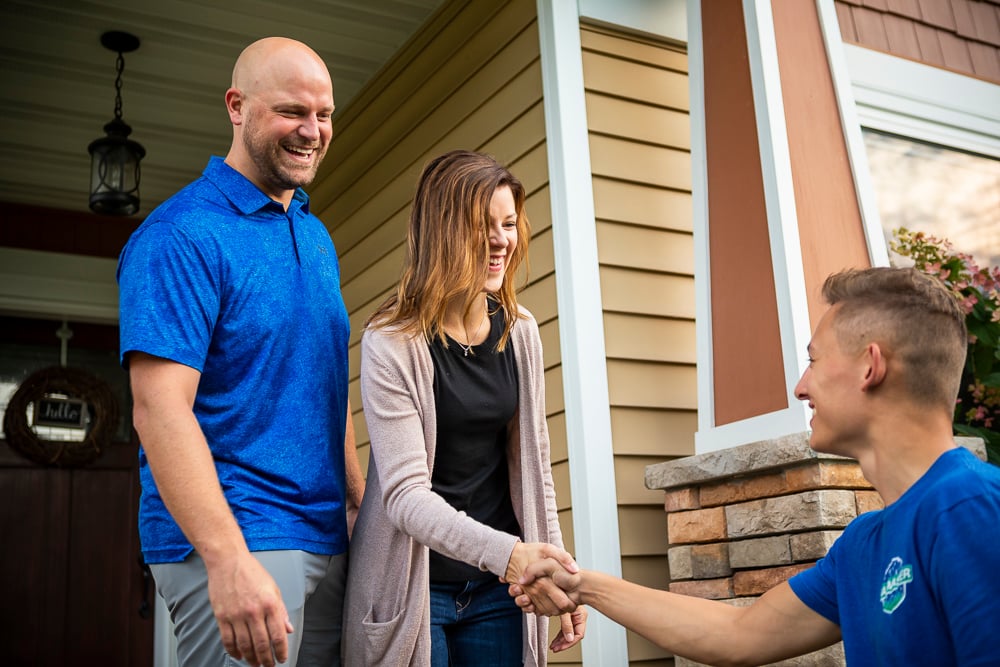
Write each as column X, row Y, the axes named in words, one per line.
column 544, row 579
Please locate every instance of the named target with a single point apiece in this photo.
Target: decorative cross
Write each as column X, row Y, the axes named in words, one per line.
column 64, row 333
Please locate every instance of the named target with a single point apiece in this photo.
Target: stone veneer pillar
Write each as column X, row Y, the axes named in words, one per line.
column 741, row 520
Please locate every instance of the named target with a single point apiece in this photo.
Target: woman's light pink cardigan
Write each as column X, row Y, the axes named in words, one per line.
column 386, row 615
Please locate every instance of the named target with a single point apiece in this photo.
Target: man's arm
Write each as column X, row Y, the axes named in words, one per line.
column 247, row 603
column 354, row 479
column 775, row 627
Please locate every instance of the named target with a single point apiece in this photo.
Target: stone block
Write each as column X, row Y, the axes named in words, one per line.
column 868, row 501
column 812, row 546
column 827, row 474
column 710, row 561
column 708, row 589
column 685, row 498
column 760, row 552
column 742, row 489
column 704, row 525
column 679, row 562
column 758, row 582
column 808, row 510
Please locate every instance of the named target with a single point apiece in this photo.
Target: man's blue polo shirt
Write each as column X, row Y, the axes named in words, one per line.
column 222, row 279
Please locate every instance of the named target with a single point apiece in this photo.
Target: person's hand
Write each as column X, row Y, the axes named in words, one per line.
column 547, row 588
column 574, row 626
column 525, row 554
column 252, row 618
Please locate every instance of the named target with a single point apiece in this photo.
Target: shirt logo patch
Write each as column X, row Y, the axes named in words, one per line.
column 897, row 575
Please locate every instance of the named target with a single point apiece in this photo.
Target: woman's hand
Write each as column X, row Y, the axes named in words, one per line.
column 574, row 626
column 524, row 554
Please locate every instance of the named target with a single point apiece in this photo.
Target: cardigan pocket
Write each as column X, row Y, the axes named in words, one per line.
column 379, row 637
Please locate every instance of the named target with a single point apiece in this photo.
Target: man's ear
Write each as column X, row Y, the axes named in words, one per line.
column 234, row 105
column 875, row 367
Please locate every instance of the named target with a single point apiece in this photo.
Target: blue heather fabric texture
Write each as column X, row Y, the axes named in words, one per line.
column 918, row 583
column 220, row 278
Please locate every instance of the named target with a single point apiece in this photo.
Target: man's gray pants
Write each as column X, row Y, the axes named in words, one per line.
column 312, row 588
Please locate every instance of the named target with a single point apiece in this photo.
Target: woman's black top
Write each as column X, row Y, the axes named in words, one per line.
column 475, row 397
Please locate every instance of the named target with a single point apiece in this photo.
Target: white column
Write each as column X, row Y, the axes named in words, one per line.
column 581, row 323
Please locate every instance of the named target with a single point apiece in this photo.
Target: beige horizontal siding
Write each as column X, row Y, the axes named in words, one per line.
column 637, row 112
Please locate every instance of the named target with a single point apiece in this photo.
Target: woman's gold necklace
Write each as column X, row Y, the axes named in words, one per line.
column 467, row 348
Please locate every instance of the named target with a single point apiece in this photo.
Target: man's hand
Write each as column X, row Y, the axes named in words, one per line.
column 252, row 618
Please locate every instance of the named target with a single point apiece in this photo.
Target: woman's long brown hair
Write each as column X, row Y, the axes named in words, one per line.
column 448, row 246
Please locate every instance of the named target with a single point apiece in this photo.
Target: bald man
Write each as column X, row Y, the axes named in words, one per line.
column 234, row 334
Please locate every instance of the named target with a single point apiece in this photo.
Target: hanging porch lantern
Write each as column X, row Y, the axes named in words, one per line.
column 114, row 159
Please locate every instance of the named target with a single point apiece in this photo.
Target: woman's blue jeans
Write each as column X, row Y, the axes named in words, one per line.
column 475, row 624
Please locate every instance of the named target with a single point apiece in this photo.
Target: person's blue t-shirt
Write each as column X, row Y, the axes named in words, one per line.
column 918, row 583
column 222, row 279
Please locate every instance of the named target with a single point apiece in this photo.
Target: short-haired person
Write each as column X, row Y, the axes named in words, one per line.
column 460, row 489
column 235, row 334
column 916, row 583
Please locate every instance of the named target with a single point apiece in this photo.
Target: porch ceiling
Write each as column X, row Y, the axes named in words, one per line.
column 58, row 91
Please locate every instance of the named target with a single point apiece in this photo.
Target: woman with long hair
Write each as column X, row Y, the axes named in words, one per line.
column 459, row 495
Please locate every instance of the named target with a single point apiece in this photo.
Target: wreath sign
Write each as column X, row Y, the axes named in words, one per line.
column 77, row 384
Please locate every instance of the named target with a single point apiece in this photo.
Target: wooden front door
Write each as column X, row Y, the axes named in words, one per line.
column 73, row 587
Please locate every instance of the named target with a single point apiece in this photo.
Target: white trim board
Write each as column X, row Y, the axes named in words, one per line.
column 34, row 283
column 581, row 317
column 923, row 102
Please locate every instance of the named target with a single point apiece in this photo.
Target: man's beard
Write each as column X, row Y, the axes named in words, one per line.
column 271, row 159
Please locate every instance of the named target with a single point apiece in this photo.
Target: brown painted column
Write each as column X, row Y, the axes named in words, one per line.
column 777, row 211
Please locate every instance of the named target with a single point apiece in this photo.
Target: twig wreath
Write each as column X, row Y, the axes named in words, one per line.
column 74, row 383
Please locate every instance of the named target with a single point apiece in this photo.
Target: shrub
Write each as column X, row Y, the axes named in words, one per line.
column 977, row 412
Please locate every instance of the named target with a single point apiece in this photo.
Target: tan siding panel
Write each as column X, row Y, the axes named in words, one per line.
column 663, row 433
column 652, row 572
column 630, row 476
column 641, row 122
column 524, row 133
column 539, row 207
column 632, row 202
column 566, row 525
column 532, row 169
column 383, row 240
column 541, row 261
column 640, row 163
column 549, row 333
column 633, row 81
column 648, row 571
column 637, row 102
column 540, row 299
column 482, row 45
column 644, row 248
column 652, row 339
column 554, row 391
column 471, row 131
column 380, row 277
column 651, row 294
column 633, row 49
column 643, row 652
column 649, row 385
column 643, row 530
column 558, row 449
column 560, row 477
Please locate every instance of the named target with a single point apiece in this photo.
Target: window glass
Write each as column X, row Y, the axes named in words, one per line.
column 938, row 190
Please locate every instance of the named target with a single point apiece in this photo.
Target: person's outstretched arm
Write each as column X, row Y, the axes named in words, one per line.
column 775, row 627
